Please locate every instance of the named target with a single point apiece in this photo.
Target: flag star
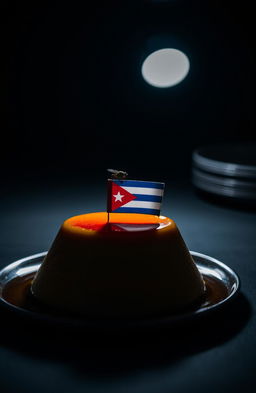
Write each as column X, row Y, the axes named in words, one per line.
column 118, row 197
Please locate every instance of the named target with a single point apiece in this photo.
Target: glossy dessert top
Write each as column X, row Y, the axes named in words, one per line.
column 118, row 222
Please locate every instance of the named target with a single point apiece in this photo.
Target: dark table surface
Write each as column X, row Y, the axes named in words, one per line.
column 213, row 355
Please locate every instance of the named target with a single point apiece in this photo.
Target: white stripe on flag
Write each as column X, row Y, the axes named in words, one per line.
column 144, row 204
column 144, row 191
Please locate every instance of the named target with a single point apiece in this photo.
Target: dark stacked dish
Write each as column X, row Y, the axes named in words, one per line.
column 226, row 171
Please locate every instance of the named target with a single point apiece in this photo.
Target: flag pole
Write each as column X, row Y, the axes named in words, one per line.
column 108, row 197
column 118, row 175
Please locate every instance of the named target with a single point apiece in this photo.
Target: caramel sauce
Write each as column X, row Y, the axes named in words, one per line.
column 117, row 222
column 17, row 292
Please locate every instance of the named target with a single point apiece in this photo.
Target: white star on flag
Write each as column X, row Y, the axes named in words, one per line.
column 118, row 197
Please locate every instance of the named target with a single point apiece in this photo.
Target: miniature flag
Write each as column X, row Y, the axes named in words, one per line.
column 133, row 196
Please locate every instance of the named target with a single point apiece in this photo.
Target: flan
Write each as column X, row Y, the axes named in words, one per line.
column 118, row 265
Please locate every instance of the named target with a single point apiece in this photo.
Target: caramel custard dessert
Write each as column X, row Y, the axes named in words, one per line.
column 133, row 265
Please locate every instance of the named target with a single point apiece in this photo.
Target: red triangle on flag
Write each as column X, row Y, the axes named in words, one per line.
column 119, row 196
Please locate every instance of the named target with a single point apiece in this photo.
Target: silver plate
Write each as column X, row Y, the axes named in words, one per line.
column 208, row 267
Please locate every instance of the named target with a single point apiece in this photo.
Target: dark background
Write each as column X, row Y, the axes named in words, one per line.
column 74, row 99
column 73, row 103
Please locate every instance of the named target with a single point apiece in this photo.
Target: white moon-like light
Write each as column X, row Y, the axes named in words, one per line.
column 165, row 67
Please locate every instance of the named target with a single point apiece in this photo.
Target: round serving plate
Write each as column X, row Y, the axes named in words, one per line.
column 212, row 270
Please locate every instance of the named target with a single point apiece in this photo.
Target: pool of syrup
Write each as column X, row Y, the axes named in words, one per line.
column 17, row 292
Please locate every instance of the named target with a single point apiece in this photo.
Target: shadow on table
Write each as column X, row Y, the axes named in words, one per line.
column 100, row 355
column 226, row 202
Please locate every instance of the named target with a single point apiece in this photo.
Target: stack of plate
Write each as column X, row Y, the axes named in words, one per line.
column 227, row 171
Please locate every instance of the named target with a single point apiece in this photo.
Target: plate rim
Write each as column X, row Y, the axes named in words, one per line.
column 222, row 167
column 145, row 322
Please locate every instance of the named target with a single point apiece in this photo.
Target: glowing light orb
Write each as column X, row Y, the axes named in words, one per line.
column 165, row 67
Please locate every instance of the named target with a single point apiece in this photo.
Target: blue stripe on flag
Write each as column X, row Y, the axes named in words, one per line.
column 139, row 183
column 137, row 210
column 151, row 198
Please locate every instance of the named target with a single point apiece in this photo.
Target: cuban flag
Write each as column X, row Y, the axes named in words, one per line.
column 134, row 196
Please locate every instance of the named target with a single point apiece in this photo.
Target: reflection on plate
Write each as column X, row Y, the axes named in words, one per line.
column 222, row 284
